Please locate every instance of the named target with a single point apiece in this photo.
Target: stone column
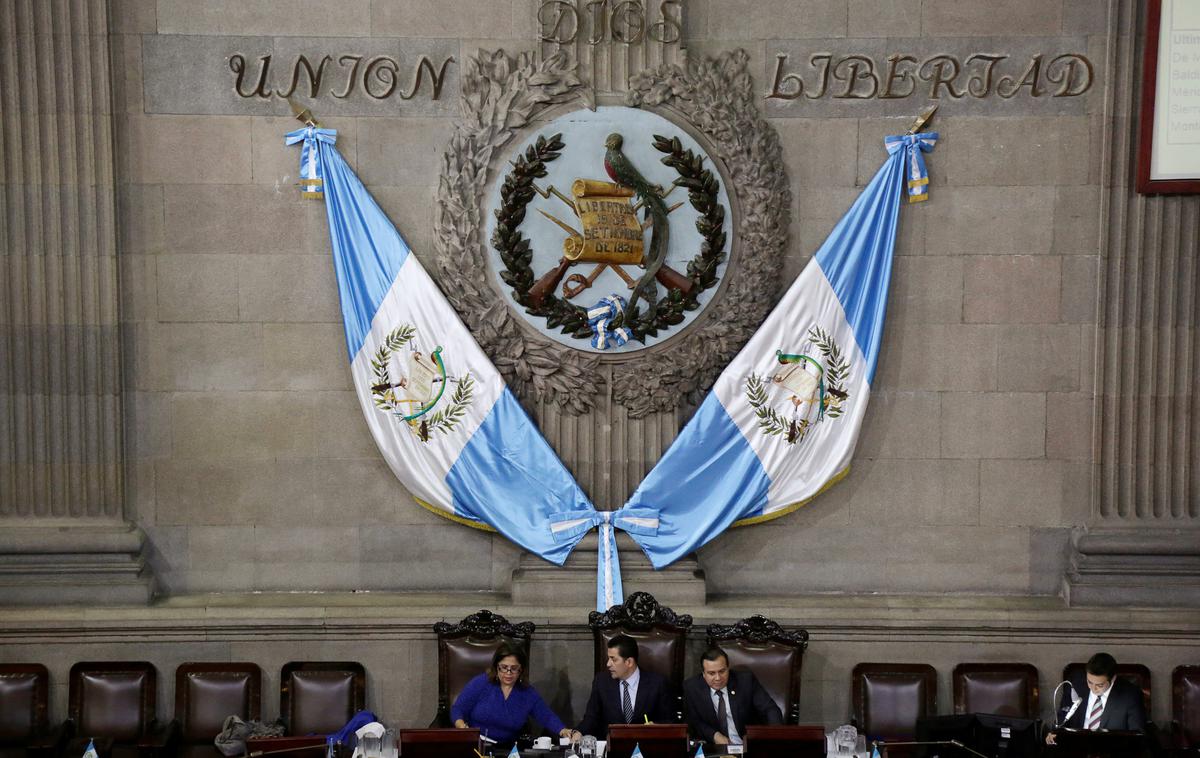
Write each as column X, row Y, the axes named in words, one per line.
column 1143, row 543
column 63, row 534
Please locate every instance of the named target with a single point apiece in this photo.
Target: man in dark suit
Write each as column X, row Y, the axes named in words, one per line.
column 1111, row 703
column 720, row 703
column 627, row 694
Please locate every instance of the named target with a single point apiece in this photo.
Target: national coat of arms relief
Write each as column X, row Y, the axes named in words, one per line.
column 611, row 242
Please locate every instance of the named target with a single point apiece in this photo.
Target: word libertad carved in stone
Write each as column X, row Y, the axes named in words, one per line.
column 981, row 75
column 604, row 21
column 380, row 76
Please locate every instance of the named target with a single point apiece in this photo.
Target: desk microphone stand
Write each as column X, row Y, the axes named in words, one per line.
column 953, row 743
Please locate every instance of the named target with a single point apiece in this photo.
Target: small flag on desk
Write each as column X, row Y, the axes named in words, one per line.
column 699, row 751
column 91, row 750
column 637, row 751
column 875, row 752
column 514, row 753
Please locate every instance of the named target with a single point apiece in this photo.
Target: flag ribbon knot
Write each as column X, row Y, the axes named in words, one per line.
column 914, row 145
column 600, row 316
column 570, row 526
column 310, row 161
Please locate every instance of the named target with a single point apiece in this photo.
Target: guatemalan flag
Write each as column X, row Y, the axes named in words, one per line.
column 446, row 423
column 782, row 420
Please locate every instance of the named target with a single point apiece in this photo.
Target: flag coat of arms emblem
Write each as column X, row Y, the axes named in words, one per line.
column 446, row 423
column 782, row 421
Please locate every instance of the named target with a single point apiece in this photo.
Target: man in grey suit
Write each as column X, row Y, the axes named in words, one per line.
column 721, row 703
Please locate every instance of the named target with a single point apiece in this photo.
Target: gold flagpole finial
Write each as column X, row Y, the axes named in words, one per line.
column 922, row 118
column 302, row 114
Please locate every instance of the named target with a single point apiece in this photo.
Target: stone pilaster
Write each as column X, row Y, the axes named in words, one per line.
column 1143, row 544
column 61, row 462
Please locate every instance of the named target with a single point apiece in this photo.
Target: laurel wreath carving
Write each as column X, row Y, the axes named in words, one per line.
column 717, row 96
column 443, row 420
column 500, row 96
column 517, row 191
column 772, row 422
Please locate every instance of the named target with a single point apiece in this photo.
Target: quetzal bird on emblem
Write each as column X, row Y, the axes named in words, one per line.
column 621, row 171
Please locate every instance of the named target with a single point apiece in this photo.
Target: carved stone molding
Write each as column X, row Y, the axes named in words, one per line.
column 1143, row 544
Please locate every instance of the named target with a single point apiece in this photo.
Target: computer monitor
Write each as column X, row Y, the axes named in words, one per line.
column 654, row 740
column 958, row 728
column 1007, row 736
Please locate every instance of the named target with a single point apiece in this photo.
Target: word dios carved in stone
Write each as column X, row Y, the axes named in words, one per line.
column 605, row 21
column 380, row 77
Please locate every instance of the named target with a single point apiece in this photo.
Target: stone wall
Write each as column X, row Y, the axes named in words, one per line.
column 249, row 465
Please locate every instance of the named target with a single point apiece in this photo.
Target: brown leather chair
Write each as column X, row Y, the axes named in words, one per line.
column 115, row 700
column 320, row 697
column 889, row 699
column 24, row 711
column 208, row 693
column 1076, row 674
column 661, row 635
column 465, row 651
column 1006, row 689
column 1185, row 706
column 773, row 654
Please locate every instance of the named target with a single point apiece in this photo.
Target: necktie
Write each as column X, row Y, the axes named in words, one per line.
column 722, row 714
column 1093, row 722
column 626, row 703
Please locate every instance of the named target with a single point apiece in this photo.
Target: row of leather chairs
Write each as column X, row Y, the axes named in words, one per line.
column 117, row 701
column 890, row 698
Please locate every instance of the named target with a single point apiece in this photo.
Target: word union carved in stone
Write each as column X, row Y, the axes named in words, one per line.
column 380, row 76
column 979, row 76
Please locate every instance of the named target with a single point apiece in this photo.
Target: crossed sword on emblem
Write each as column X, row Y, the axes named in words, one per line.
column 577, row 283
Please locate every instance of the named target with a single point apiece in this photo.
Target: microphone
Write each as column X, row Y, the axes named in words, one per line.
column 1075, row 701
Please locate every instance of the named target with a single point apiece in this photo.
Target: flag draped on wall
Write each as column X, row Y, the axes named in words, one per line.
column 447, row 425
column 782, row 420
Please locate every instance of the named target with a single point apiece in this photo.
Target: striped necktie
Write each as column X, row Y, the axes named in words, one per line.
column 1093, row 722
column 626, row 703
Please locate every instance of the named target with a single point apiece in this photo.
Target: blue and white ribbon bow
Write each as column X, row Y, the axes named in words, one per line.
column 918, row 176
column 600, row 316
column 310, row 162
column 570, row 526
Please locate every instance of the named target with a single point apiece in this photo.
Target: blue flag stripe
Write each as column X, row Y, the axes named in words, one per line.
column 367, row 249
column 709, row 462
column 508, row 476
column 857, row 256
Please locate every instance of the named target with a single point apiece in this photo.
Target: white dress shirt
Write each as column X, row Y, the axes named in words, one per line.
column 1091, row 703
column 730, row 728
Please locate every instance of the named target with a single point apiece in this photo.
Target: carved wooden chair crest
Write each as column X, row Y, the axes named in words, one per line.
column 661, row 636
column 773, row 654
column 465, row 650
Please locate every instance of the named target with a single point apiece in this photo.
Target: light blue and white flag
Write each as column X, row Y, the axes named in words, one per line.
column 447, row 425
column 782, row 420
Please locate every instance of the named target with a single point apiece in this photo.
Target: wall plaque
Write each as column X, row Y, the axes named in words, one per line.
column 1169, row 126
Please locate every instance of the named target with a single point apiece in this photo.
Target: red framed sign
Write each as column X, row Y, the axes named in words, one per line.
column 1168, row 158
